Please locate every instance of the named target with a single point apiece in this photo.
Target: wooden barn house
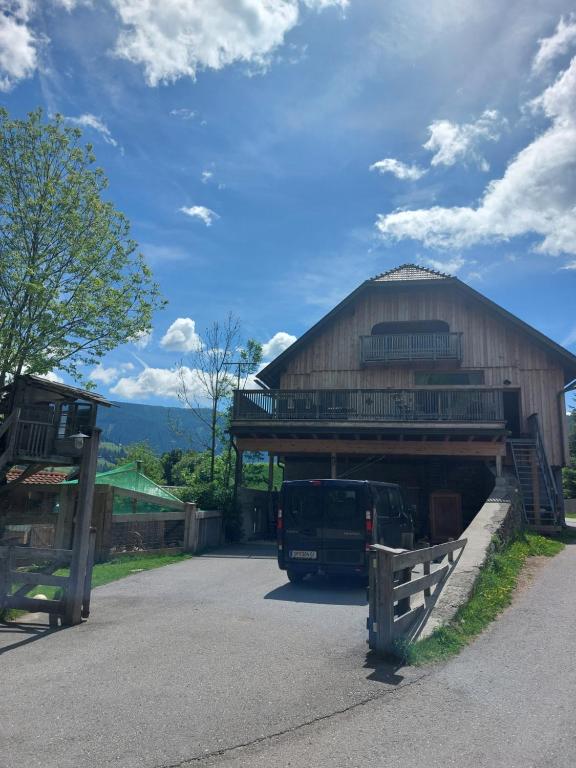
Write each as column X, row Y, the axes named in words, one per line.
column 417, row 378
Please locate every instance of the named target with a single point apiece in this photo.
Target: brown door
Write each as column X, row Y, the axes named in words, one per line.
column 445, row 515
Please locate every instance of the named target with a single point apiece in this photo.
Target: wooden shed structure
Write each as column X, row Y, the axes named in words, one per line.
column 47, row 424
column 417, row 378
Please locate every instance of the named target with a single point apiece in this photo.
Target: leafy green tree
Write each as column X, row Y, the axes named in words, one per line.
column 183, row 470
column 150, row 463
column 72, row 284
column 256, row 476
column 169, row 459
column 569, row 472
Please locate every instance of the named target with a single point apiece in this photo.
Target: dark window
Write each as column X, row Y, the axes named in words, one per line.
column 448, row 378
column 412, row 326
column 303, row 509
column 343, row 511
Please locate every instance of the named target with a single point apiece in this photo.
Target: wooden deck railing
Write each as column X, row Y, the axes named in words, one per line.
column 391, row 618
column 370, row 405
column 395, row 347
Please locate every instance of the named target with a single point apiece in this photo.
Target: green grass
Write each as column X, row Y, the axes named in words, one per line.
column 112, row 570
column 571, row 515
column 492, row 593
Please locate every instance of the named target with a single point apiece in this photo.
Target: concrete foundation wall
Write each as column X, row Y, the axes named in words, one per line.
column 500, row 516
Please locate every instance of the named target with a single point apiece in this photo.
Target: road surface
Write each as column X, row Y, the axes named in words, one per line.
column 218, row 661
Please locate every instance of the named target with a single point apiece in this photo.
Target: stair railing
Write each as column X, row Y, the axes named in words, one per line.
column 547, row 474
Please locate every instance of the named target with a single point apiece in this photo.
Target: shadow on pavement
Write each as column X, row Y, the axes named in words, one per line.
column 261, row 549
column 22, row 634
column 383, row 670
column 333, row 591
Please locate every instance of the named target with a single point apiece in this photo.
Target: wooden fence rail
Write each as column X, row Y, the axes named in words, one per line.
column 391, row 617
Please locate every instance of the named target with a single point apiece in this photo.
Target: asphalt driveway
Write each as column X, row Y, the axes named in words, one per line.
column 219, row 662
column 184, row 661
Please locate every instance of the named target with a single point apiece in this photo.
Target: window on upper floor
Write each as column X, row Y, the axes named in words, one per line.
column 411, row 326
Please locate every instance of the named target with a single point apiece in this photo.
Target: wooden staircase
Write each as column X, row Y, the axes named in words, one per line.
column 540, row 497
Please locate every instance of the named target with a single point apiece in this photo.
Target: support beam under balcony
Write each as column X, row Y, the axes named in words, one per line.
column 476, row 449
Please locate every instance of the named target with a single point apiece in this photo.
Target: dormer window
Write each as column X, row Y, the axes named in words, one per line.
column 411, row 326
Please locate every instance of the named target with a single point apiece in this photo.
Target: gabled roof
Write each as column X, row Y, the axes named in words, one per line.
column 65, row 390
column 410, row 272
column 410, row 275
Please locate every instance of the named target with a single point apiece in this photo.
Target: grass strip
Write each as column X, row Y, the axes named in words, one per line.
column 104, row 573
column 492, row 593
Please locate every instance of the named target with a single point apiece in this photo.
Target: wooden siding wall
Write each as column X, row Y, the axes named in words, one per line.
column 332, row 358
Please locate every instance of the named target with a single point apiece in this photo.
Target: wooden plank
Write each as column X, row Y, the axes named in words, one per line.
column 420, row 584
column 367, row 447
column 404, row 623
column 35, row 578
column 417, row 556
column 42, row 553
column 35, row 606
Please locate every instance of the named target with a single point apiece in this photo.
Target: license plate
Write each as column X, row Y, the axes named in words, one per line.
column 303, row 554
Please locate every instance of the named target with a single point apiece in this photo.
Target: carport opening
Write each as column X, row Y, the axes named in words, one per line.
column 444, row 494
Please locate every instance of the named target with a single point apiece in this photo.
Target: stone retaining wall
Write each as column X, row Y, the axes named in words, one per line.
column 501, row 516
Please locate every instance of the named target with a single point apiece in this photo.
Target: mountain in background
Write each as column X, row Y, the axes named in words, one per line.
column 162, row 428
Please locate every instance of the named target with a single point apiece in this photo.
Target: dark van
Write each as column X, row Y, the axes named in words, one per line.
column 326, row 526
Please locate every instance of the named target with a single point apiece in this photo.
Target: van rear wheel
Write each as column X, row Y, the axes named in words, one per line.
column 295, row 577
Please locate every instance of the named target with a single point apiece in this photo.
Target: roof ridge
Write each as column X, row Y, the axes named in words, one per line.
column 411, row 272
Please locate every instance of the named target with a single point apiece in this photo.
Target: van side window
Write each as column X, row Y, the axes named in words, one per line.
column 382, row 502
column 396, row 506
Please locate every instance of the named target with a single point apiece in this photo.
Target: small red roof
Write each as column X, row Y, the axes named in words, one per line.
column 39, row 478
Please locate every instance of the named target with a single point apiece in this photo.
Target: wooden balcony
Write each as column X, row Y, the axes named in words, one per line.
column 408, row 347
column 43, row 433
column 412, row 406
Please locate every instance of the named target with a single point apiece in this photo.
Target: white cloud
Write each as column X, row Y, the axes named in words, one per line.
column 142, row 339
column 106, row 376
column 570, row 339
column 277, row 344
column 536, row 195
column 453, row 142
column 206, row 176
column 449, row 266
column 18, row 56
column 91, row 121
column 181, row 336
column 558, row 44
column 398, row 169
column 183, row 113
column 51, row 376
column 159, row 382
column 207, row 215
column 175, row 39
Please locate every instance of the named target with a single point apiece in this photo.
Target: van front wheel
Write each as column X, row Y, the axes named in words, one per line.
column 295, row 577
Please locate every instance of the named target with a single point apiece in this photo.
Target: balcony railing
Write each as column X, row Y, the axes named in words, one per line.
column 370, row 405
column 394, row 347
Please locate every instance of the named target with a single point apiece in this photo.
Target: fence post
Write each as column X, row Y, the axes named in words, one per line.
column 88, row 578
column 381, row 602
column 4, row 576
column 82, row 524
column 190, row 528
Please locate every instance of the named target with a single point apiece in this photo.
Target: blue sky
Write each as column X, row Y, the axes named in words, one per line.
column 273, row 154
